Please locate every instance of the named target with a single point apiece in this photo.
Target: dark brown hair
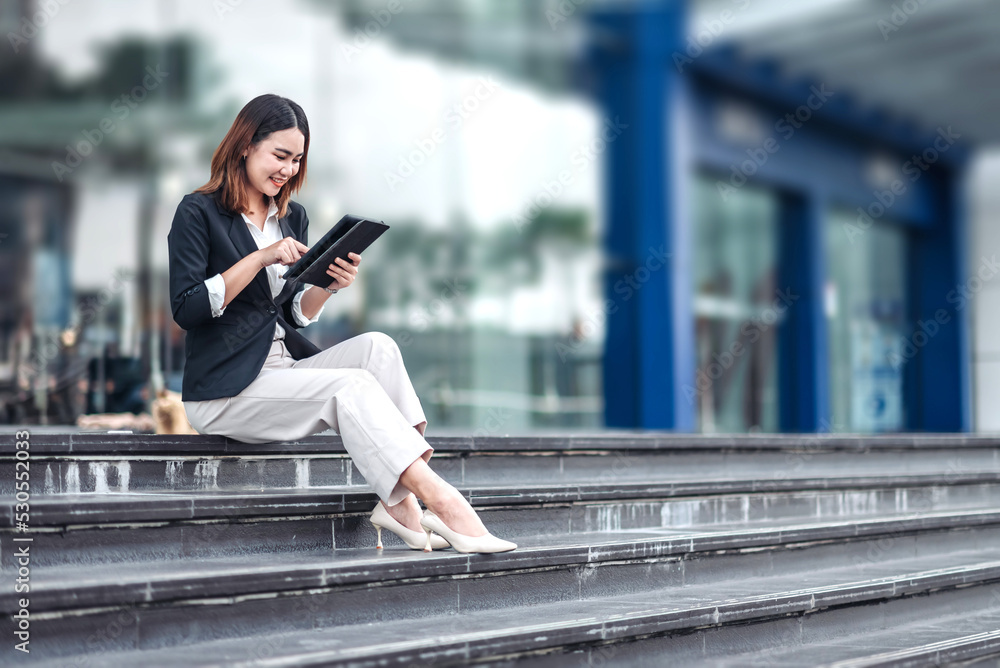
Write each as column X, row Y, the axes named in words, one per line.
column 256, row 121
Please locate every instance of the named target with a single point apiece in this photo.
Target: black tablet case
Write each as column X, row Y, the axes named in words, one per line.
column 351, row 234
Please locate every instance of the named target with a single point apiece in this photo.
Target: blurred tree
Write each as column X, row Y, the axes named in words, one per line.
column 508, row 247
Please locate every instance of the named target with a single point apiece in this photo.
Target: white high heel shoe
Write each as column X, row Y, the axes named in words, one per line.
column 462, row 543
column 380, row 518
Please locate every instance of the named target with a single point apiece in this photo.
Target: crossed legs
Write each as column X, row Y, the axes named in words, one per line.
column 384, row 361
column 443, row 499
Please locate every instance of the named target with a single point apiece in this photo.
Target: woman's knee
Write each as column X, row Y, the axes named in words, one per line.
column 384, row 351
column 381, row 340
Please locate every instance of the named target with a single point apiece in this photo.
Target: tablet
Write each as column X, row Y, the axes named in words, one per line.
column 351, row 234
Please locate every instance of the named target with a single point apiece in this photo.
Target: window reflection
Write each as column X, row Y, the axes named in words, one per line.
column 501, row 329
column 735, row 324
column 865, row 308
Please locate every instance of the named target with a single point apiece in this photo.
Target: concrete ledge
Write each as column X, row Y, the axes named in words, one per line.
column 480, row 634
column 174, row 580
column 69, row 509
column 104, row 443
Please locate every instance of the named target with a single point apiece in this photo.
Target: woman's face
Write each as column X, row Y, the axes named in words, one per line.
column 276, row 157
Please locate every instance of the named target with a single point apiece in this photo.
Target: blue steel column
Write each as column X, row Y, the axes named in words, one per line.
column 804, row 360
column 943, row 281
column 962, row 349
column 649, row 355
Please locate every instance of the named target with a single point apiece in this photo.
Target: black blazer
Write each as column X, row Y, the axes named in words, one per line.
column 223, row 355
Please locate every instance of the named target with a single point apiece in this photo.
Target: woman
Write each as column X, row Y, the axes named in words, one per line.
column 251, row 376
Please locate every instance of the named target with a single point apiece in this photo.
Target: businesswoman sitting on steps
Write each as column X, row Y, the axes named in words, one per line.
column 250, row 375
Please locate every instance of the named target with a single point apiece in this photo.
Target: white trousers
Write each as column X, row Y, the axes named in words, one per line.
column 359, row 388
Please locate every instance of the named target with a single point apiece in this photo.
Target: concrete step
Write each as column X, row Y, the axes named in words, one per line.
column 481, row 618
column 74, row 464
column 120, row 528
column 116, row 443
column 65, row 509
column 205, row 551
column 102, row 441
column 956, row 627
column 64, row 587
column 149, row 473
column 991, row 660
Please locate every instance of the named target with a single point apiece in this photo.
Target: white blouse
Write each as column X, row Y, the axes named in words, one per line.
column 216, row 285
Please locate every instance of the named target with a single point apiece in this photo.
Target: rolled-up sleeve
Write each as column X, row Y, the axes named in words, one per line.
column 187, row 244
column 297, row 310
column 216, row 286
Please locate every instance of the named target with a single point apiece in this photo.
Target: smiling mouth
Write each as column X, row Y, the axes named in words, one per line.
column 278, row 183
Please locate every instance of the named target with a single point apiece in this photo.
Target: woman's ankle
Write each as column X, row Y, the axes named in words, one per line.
column 458, row 514
column 406, row 512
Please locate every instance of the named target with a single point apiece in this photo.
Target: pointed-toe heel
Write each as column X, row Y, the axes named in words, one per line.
column 487, row 543
column 415, row 540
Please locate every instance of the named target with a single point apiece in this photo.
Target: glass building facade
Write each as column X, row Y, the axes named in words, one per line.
column 735, row 267
column 866, row 309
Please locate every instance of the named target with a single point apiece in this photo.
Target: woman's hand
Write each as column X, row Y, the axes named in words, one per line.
column 287, row 251
column 343, row 271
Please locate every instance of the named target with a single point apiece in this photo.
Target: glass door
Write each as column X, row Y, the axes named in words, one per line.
column 736, row 250
column 865, row 306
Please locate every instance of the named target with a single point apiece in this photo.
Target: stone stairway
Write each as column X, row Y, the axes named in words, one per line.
column 634, row 549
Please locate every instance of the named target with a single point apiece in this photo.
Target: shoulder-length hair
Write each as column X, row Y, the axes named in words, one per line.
column 259, row 118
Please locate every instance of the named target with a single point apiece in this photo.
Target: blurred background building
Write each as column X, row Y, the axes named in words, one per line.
column 709, row 216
